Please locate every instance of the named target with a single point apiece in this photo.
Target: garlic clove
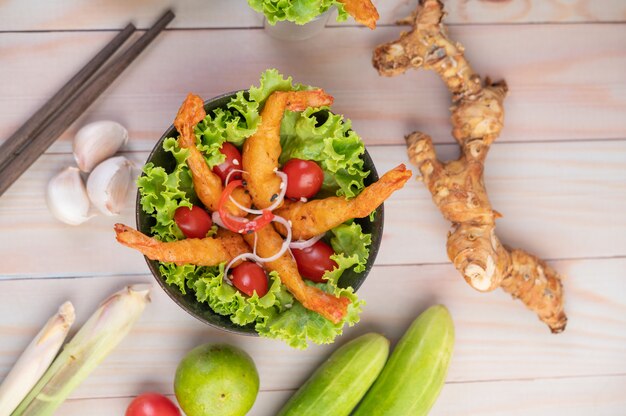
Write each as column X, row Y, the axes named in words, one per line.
column 67, row 197
column 108, row 184
column 96, row 142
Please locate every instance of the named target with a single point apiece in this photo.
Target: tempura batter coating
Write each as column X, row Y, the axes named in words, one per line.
column 269, row 243
column 208, row 185
column 315, row 217
column 262, row 150
column 209, row 251
column 363, row 11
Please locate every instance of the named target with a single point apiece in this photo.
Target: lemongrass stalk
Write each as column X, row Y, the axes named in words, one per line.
column 35, row 359
column 92, row 343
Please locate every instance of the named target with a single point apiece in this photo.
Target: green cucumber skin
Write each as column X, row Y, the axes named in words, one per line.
column 338, row 385
column 416, row 371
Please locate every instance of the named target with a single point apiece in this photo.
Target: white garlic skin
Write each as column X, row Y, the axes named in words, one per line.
column 96, row 142
column 67, row 197
column 108, row 184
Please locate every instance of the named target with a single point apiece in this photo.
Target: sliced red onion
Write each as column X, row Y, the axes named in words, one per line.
column 256, row 238
column 285, row 245
column 277, row 202
column 215, row 216
column 253, row 256
column 302, row 244
column 243, row 256
column 230, row 173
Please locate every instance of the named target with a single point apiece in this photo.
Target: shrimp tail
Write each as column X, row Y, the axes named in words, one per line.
column 375, row 194
column 301, row 100
column 363, row 11
column 320, row 215
column 133, row 238
column 209, row 251
column 330, row 307
column 190, row 113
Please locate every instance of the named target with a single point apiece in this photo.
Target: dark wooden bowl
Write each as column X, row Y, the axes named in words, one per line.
column 202, row 311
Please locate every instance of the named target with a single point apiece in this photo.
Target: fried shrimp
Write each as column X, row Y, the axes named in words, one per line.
column 209, row 251
column 208, row 185
column 363, row 11
column 330, row 307
column 261, row 150
column 318, row 216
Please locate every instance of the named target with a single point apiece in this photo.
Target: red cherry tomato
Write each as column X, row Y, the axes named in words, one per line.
column 152, row 404
column 304, row 178
column 194, row 222
column 249, row 277
column 314, row 261
column 233, row 161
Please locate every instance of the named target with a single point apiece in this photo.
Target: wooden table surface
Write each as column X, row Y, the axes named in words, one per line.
column 557, row 173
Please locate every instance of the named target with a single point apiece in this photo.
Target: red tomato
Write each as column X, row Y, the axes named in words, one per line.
column 314, row 261
column 304, row 178
column 194, row 222
column 152, row 404
column 233, row 161
column 249, row 277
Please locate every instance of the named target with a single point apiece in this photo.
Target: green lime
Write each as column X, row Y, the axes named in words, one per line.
column 216, row 380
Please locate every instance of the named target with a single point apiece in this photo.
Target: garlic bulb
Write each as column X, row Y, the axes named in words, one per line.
column 108, row 184
column 97, row 141
column 67, row 197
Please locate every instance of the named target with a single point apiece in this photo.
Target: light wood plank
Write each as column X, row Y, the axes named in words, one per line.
column 567, row 81
column 102, row 14
column 85, row 14
column 571, row 396
column 497, row 339
column 559, row 201
column 575, row 396
column 512, row 11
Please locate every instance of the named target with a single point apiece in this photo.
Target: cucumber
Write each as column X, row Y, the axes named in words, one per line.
column 412, row 379
column 336, row 387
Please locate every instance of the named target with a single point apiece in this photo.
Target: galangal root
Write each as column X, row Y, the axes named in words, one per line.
column 457, row 186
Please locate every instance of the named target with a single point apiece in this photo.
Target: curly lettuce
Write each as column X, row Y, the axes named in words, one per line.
column 161, row 195
column 297, row 11
column 314, row 134
column 319, row 135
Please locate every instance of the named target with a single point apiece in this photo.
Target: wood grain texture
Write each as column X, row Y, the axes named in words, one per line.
column 567, row 82
column 496, row 338
column 558, row 174
column 580, row 396
column 512, row 11
column 15, row 143
column 555, row 199
column 113, row 14
column 87, row 92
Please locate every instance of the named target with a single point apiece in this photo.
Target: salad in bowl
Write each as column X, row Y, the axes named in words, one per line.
column 259, row 211
column 303, row 11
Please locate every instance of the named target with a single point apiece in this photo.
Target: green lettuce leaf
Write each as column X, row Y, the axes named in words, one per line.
column 349, row 238
column 298, row 325
column 297, row 11
column 161, row 194
column 271, row 81
column 241, row 117
column 275, row 315
column 319, row 135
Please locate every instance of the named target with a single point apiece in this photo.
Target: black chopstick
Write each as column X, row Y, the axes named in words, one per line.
column 18, row 140
column 61, row 120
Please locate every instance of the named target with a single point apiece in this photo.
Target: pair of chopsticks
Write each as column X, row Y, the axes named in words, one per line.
column 29, row 142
